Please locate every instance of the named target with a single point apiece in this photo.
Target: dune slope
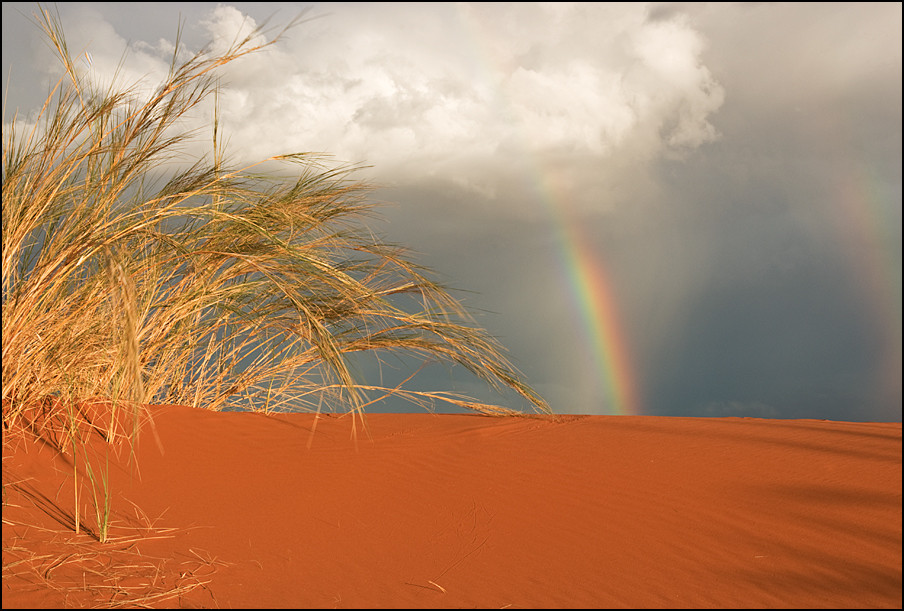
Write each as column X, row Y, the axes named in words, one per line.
column 424, row 510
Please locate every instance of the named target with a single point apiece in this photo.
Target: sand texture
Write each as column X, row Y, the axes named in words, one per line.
column 424, row 511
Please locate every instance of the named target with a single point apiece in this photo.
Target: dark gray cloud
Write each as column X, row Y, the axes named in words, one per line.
column 734, row 168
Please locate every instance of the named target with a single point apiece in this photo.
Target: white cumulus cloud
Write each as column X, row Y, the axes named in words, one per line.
column 439, row 89
column 446, row 84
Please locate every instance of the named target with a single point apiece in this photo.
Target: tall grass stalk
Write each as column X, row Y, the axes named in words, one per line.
column 98, row 476
column 210, row 285
column 100, row 495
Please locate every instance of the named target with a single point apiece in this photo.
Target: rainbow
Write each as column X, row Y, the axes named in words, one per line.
column 587, row 280
column 594, row 300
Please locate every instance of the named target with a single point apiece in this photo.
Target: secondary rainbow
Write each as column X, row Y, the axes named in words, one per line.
column 871, row 221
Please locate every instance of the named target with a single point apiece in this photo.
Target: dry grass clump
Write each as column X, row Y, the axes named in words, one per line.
column 207, row 285
column 213, row 286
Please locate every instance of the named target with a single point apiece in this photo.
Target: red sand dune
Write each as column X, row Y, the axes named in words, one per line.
column 469, row 511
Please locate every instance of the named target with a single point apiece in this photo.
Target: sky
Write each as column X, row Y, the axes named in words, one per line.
column 671, row 209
